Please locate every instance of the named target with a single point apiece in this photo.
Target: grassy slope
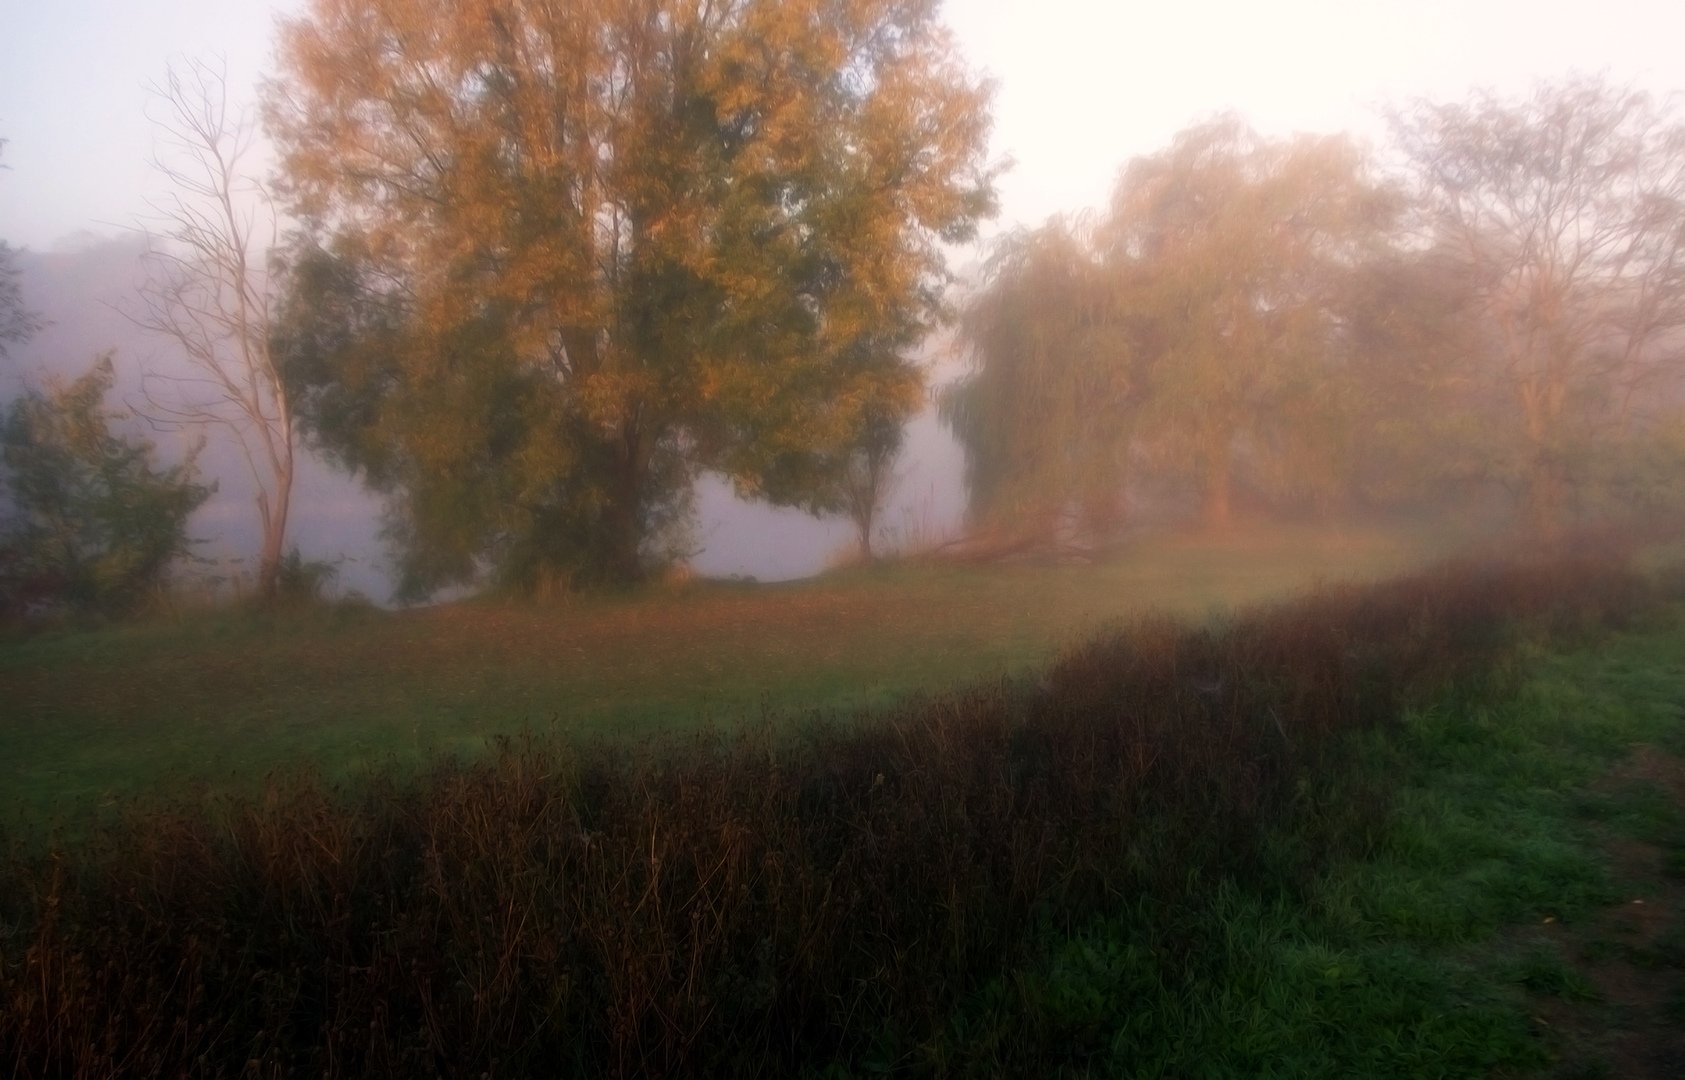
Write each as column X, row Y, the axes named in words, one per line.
column 1521, row 911
column 91, row 714
column 1518, row 910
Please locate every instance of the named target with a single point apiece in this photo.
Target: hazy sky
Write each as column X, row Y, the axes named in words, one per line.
column 1083, row 84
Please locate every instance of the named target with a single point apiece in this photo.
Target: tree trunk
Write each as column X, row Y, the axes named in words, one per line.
column 623, row 521
column 274, row 520
column 1547, row 484
column 863, row 522
column 1218, row 483
column 1547, row 496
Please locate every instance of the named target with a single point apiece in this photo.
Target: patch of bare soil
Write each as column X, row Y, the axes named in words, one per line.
column 1633, row 953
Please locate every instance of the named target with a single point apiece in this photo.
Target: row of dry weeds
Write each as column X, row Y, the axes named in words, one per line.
column 753, row 903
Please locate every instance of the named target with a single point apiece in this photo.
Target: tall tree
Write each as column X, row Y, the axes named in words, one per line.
column 1562, row 215
column 1206, row 323
column 617, row 241
column 1235, row 253
column 207, row 291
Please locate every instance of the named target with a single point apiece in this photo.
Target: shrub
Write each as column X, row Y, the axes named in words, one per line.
column 94, row 521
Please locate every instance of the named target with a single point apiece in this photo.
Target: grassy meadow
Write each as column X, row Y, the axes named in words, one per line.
column 213, row 699
column 1282, row 805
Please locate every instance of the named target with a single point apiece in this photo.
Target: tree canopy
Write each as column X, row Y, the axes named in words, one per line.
column 1561, row 216
column 1202, row 321
column 1507, row 310
column 582, row 249
column 1236, row 251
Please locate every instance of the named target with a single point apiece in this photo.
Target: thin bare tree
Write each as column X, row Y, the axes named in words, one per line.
column 206, row 289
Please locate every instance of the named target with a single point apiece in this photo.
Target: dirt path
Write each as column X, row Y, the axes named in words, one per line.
column 1631, row 954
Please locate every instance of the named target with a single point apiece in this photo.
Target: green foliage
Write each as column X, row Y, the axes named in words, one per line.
column 17, row 323
column 761, row 904
column 95, row 521
column 561, row 259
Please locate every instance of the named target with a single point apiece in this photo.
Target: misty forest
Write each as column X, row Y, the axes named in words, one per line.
column 1293, row 685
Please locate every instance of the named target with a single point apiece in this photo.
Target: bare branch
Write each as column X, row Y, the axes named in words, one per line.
column 206, row 290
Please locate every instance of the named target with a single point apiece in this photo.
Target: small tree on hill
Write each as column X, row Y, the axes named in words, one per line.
column 868, row 475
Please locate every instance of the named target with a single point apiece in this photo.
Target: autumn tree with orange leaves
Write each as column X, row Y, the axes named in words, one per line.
column 561, row 256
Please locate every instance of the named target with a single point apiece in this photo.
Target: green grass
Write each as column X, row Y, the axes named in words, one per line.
column 1484, row 898
column 1487, row 883
column 222, row 699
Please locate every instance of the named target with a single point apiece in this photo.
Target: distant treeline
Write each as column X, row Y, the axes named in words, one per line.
column 550, row 269
column 1492, row 311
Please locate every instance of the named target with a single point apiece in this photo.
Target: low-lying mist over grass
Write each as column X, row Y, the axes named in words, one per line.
column 1169, row 804
column 222, row 698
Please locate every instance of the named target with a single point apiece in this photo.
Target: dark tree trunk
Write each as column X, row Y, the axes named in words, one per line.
column 1547, row 499
column 623, row 520
column 274, row 521
column 863, row 522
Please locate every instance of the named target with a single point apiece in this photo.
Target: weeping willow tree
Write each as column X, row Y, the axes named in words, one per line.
column 1047, row 412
